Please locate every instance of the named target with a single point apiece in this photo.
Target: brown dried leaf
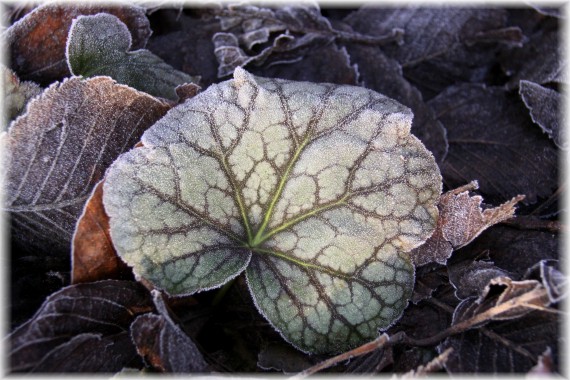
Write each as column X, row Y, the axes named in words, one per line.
column 61, row 148
column 37, row 41
column 469, row 278
column 81, row 328
column 461, row 219
column 93, row 255
column 544, row 106
column 163, row 344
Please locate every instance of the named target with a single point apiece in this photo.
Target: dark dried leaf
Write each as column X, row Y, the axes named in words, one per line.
column 552, row 279
column 101, row 44
column 433, row 365
column 544, row 106
column 190, row 49
column 442, row 45
column 37, row 41
column 163, row 344
column 428, row 32
column 428, row 279
column 16, row 94
column 469, row 278
column 300, row 28
column 337, row 62
column 81, row 328
column 284, row 358
column 382, row 74
column 513, row 250
column 461, row 219
column 541, row 60
column 489, row 136
column 60, row 149
column 511, row 345
column 93, row 255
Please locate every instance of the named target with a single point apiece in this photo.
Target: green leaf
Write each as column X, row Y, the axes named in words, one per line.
column 100, row 44
column 318, row 189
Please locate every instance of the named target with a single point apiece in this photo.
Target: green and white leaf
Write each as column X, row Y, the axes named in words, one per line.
column 100, row 44
column 318, row 189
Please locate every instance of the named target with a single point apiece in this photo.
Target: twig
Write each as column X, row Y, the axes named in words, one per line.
column 524, row 222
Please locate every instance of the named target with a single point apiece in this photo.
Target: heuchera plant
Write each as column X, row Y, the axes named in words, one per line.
column 317, row 191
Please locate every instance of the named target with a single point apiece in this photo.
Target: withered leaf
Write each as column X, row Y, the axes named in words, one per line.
column 541, row 60
column 60, row 149
column 516, row 251
column 552, row 279
column 101, row 45
column 461, row 219
column 489, row 134
column 37, row 41
column 511, row 345
column 81, row 328
column 163, row 344
column 442, row 45
column 300, row 28
column 16, row 93
column 281, row 357
column 543, row 104
column 93, row 255
column 190, row 49
column 469, row 278
column 383, row 74
column 428, row 32
column 310, row 68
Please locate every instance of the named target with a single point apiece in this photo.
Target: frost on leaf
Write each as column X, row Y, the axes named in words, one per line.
column 36, row 42
column 100, row 44
column 461, row 219
column 318, row 189
column 61, row 148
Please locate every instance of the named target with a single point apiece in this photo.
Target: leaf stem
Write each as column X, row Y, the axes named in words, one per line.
column 222, row 292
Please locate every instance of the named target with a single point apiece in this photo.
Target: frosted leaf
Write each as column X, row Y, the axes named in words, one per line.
column 100, row 44
column 319, row 190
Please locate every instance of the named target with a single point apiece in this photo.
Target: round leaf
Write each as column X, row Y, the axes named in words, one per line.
column 318, row 189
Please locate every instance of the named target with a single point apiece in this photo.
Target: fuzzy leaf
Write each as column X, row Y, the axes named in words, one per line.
column 100, row 44
column 319, row 188
column 16, row 94
column 37, row 41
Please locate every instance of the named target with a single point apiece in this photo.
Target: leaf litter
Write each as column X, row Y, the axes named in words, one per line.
column 479, row 95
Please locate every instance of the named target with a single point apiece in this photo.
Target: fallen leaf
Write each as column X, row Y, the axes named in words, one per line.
column 469, row 278
column 339, row 68
column 299, row 29
column 93, row 255
column 81, row 328
column 189, row 49
column 513, row 250
column 16, row 94
column 544, row 106
column 545, row 365
column 441, row 45
column 163, row 344
column 283, row 358
column 37, row 41
column 542, row 60
column 509, row 339
column 461, row 220
column 489, row 134
column 101, row 44
column 61, row 148
column 316, row 191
